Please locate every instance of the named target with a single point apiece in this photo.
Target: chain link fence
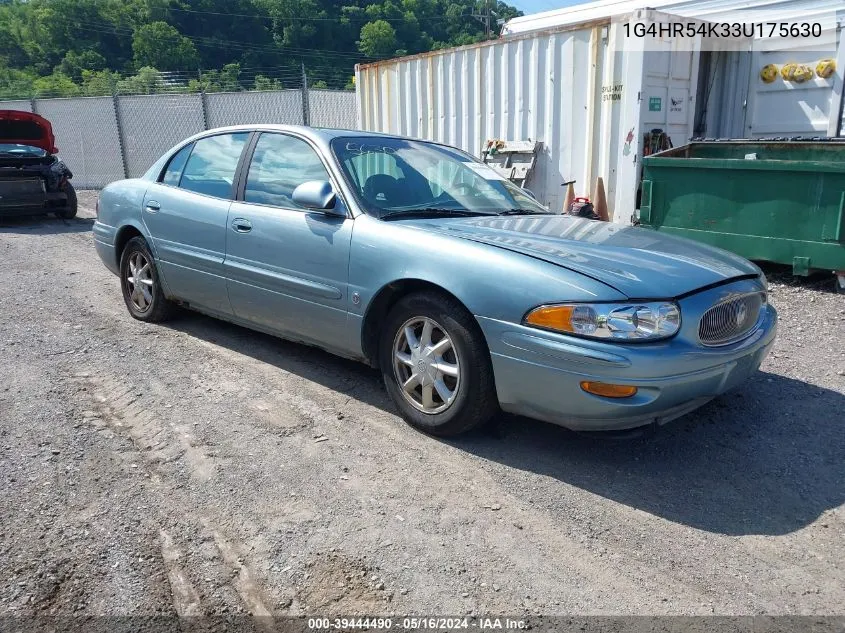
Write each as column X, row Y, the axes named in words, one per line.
column 17, row 104
column 332, row 108
column 152, row 124
column 103, row 139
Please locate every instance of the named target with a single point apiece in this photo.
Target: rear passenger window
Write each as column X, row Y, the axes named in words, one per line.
column 279, row 165
column 211, row 167
column 175, row 166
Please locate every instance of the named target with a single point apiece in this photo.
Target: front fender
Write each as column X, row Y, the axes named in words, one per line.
column 491, row 282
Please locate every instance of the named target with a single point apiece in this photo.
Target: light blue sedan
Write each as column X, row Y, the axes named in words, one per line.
column 418, row 259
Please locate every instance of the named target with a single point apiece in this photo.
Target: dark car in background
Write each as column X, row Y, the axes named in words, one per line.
column 33, row 179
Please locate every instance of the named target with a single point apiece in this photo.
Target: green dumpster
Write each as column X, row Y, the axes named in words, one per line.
column 778, row 201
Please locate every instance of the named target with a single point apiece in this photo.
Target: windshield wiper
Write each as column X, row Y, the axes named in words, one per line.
column 431, row 212
column 522, row 212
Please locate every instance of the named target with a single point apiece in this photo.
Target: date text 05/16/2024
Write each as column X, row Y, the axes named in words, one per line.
column 415, row 624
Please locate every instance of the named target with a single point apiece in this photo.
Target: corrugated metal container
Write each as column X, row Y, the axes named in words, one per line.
column 733, row 100
column 740, row 104
column 578, row 90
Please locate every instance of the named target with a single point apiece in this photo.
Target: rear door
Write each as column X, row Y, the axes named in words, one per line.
column 186, row 214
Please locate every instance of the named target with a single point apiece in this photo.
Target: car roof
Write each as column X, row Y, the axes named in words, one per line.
column 323, row 133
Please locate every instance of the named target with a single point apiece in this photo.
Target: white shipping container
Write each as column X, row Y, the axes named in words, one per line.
column 741, row 104
column 587, row 97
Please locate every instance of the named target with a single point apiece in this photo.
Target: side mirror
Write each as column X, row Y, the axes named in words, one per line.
column 530, row 193
column 318, row 194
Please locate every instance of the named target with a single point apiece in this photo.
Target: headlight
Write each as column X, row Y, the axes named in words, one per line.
column 613, row 321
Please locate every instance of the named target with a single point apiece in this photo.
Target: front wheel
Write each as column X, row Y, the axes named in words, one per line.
column 68, row 212
column 436, row 366
column 139, row 280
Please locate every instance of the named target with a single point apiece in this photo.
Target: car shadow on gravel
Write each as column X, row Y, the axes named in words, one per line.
column 763, row 459
column 45, row 224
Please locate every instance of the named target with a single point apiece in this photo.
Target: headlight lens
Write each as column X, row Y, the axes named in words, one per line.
column 611, row 321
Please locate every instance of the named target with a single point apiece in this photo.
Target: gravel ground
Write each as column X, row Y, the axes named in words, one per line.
column 198, row 467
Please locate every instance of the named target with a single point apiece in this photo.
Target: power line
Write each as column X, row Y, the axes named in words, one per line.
column 436, row 18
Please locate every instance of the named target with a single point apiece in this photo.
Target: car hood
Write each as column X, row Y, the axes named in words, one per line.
column 639, row 263
column 26, row 128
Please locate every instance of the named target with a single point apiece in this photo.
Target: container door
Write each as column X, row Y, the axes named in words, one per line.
column 661, row 77
column 794, row 92
column 670, row 77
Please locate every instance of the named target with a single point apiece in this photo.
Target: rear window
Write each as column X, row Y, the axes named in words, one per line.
column 211, row 167
column 15, row 149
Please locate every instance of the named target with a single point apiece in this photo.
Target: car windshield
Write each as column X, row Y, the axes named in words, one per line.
column 14, row 149
column 400, row 177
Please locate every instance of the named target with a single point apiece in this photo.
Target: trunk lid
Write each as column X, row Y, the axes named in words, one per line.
column 25, row 128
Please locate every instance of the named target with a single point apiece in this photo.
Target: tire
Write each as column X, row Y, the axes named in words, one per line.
column 150, row 306
column 473, row 401
column 69, row 212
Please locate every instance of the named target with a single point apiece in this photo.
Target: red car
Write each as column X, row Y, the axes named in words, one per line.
column 33, row 179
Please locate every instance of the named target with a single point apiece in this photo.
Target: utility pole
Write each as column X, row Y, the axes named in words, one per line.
column 485, row 16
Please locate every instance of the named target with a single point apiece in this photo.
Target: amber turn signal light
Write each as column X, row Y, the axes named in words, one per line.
column 552, row 317
column 608, row 390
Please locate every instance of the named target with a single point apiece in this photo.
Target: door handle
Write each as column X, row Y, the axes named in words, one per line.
column 153, row 206
column 241, row 225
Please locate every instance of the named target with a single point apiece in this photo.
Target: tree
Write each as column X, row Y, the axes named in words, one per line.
column 266, row 83
column 74, row 63
column 161, row 46
column 60, row 39
column 378, row 39
column 15, row 83
column 146, row 82
column 97, row 83
column 56, row 85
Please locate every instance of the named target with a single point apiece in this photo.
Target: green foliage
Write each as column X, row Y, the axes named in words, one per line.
column 266, row 83
column 147, row 82
column 15, row 84
column 224, row 80
column 75, row 63
column 47, row 45
column 378, row 39
column 56, row 85
column 96, row 83
column 161, row 46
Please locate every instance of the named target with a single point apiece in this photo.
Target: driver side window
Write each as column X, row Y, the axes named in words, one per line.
column 279, row 165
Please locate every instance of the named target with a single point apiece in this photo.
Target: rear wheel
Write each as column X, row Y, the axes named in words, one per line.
column 68, row 212
column 436, row 366
column 139, row 280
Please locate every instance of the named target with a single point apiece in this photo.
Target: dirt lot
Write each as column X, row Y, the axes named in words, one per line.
column 198, row 467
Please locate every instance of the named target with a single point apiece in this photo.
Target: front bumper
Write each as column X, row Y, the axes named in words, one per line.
column 38, row 204
column 538, row 374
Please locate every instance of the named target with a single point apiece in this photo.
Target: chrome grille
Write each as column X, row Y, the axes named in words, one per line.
column 731, row 320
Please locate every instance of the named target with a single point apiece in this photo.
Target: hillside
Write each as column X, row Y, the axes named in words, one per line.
column 95, row 47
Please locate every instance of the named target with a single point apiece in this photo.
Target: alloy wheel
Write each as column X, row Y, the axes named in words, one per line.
column 426, row 365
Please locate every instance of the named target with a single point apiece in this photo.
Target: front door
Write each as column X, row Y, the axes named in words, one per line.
column 287, row 266
column 186, row 213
